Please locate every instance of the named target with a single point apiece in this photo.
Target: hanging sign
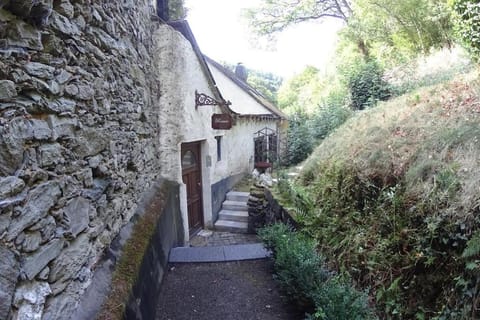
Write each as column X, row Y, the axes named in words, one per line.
column 221, row 121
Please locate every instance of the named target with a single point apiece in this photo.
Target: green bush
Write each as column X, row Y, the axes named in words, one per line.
column 367, row 86
column 468, row 24
column 301, row 273
column 337, row 299
column 300, row 140
column 328, row 118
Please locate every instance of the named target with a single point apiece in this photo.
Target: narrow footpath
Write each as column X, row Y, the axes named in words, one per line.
column 234, row 288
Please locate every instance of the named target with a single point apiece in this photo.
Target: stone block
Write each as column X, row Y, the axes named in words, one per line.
column 39, row 202
column 5, row 220
column 7, row 90
column 41, row 129
column 62, row 105
column 9, row 270
column 63, row 76
column 35, row 263
column 62, row 127
column 30, row 299
column 10, row 186
column 76, row 215
column 46, row 226
column 39, row 70
column 50, row 154
column 71, row 260
column 65, row 8
column 23, row 35
column 64, row 25
column 91, row 142
column 32, row 241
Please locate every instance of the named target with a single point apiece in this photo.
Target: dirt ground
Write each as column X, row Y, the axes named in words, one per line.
column 243, row 290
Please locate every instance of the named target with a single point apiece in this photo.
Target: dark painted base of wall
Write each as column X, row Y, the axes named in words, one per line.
column 164, row 197
column 220, row 189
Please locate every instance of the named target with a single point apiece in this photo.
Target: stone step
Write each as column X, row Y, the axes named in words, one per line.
column 231, row 226
column 241, row 216
column 234, row 205
column 238, row 196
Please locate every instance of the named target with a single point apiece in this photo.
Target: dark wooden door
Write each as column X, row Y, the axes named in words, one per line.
column 192, row 177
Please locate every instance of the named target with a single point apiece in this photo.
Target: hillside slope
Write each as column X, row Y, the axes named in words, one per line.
column 397, row 201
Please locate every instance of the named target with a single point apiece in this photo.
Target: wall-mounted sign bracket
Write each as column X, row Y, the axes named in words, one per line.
column 201, row 99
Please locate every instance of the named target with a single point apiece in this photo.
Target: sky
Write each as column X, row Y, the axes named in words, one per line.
column 222, row 34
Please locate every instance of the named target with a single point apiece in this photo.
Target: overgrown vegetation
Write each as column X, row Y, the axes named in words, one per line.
column 301, row 272
column 468, row 24
column 393, row 201
column 392, row 194
column 128, row 267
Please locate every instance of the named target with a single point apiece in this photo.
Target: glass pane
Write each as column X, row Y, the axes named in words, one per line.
column 188, row 159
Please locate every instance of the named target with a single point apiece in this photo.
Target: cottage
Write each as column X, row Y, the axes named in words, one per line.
column 209, row 143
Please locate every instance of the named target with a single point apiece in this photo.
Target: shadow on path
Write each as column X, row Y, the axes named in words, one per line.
column 243, row 290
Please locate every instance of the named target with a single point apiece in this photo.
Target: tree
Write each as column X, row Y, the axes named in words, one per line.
column 301, row 92
column 412, row 25
column 266, row 83
column 408, row 26
column 275, row 15
column 468, row 24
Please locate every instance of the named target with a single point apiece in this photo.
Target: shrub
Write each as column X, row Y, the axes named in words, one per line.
column 331, row 114
column 367, row 86
column 337, row 299
column 301, row 273
column 300, row 140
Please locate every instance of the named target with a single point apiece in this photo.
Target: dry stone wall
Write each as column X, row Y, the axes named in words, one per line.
column 78, row 142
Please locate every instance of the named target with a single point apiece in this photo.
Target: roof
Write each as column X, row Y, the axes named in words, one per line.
column 183, row 27
column 248, row 89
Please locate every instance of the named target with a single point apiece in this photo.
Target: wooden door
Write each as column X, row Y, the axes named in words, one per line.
column 192, row 177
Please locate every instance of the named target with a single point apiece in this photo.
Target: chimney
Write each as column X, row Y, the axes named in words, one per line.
column 241, row 72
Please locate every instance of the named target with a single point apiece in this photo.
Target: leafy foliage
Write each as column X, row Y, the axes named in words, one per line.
column 177, row 10
column 300, row 140
column 367, row 86
column 266, row 83
column 274, row 15
column 468, row 24
column 395, row 205
column 316, row 107
column 399, row 29
column 302, row 274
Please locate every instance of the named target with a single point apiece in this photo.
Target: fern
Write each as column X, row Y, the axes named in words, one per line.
column 473, row 246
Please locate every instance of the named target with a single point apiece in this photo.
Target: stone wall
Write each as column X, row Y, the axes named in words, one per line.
column 78, row 142
column 264, row 209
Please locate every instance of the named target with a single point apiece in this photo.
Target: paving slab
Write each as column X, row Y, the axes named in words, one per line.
column 245, row 252
column 218, row 254
column 197, row 254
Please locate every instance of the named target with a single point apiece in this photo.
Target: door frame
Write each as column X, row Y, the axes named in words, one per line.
column 197, row 148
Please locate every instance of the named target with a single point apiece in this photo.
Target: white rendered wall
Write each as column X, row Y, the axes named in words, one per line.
column 238, row 148
column 180, row 74
column 242, row 102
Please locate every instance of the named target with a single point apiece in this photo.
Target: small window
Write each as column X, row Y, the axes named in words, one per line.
column 219, row 147
column 188, row 160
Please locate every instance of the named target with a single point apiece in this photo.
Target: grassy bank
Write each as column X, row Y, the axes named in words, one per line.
column 396, row 201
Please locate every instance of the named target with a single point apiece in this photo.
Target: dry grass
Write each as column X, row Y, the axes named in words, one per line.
column 417, row 136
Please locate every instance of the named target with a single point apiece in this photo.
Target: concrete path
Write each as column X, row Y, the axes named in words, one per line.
column 240, row 290
column 236, row 284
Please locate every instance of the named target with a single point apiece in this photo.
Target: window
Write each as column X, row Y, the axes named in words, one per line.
column 188, row 160
column 219, row 147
